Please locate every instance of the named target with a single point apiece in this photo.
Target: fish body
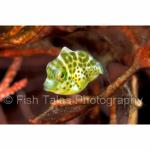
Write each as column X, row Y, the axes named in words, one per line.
column 71, row 72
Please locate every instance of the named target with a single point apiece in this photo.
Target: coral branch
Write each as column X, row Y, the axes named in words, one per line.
column 11, row 73
column 113, row 113
column 112, row 88
column 14, row 88
column 136, row 103
column 25, row 36
column 142, row 53
column 143, row 57
column 13, row 31
column 129, row 33
column 59, row 115
column 83, row 100
column 141, row 60
column 29, row 52
column 95, row 112
column 20, row 35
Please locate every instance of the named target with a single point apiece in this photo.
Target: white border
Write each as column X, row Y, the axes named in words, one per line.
column 74, row 137
column 75, row 12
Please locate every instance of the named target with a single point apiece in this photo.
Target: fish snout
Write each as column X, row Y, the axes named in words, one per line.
column 48, row 84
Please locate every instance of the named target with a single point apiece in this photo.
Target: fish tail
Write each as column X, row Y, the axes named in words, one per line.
column 104, row 72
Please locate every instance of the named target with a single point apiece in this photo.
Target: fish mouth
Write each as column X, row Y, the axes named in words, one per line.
column 48, row 85
column 45, row 87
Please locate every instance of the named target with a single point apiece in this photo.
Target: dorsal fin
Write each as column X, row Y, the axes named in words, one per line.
column 65, row 49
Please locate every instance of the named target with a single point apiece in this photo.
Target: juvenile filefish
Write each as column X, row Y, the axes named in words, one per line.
column 71, row 72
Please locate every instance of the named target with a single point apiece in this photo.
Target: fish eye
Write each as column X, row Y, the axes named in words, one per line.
column 60, row 76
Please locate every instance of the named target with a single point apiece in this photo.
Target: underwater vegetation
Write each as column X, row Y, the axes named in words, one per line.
column 91, row 74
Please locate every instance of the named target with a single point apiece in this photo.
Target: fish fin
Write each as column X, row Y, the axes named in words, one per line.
column 105, row 72
column 65, row 49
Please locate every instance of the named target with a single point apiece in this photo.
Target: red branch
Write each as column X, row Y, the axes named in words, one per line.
column 14, row 88
column 12, row 32
column 141, row 53
column 11, row 73
column 129, row 33
column 28, row 52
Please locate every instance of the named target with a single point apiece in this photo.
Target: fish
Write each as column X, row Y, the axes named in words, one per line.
column 71, row 71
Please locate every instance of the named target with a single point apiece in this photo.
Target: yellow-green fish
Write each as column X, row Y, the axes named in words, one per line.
column 71, row 72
